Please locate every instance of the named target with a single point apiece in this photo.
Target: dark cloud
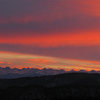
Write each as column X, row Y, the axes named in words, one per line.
column 46, row 16
column 36, row 17
column 79, row 52
column 77, row 23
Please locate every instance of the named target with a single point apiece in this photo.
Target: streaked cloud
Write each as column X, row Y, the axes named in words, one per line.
column 57, row 28
column 35, row 61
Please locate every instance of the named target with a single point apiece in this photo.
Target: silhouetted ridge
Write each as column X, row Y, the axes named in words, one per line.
column 80, row 86
column 8, row 72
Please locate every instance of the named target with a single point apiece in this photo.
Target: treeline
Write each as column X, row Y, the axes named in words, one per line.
column 54, row 93
column 80, row 86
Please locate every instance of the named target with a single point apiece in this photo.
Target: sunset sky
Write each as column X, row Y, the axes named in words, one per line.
column 59, row 34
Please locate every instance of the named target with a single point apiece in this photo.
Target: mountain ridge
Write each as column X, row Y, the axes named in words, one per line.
column 8, row 72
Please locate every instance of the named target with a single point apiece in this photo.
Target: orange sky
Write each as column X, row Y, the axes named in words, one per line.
column 67, row 29
column 34, row 61
column 54, row 40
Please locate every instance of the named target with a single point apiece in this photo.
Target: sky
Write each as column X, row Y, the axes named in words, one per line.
column 62, row 34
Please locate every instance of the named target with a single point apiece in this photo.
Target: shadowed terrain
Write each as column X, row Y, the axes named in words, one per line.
column 84, row 86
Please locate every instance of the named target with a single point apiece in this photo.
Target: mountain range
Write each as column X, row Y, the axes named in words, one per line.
column 8, row 72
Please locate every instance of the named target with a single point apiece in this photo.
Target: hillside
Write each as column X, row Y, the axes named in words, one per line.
column 59, row 87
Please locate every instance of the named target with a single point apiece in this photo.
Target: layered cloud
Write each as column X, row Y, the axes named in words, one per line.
column 43, row 22
column 32, row 10
column 54, row 40
column 34, row 61
column 61, row 28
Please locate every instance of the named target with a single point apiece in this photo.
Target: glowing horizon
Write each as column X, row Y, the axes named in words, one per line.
column 50, row 33
column 16, row 60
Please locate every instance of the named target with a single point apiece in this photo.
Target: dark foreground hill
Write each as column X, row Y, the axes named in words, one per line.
column 78, row 86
